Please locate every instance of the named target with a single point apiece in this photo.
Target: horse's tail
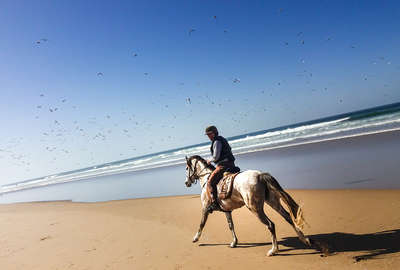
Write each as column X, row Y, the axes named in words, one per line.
column 295, row 211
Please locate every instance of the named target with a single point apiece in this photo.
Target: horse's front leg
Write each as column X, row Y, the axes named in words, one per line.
column 232, row 228
column 202, row 223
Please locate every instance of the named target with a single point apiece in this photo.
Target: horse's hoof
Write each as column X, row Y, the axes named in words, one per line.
column 233, row 244
column 271, row 253
column 195, row 240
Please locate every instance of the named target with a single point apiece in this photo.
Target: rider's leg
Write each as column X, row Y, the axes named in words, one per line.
column 212, row 187
column 213, row 181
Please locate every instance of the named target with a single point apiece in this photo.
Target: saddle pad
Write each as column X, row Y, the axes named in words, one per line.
column 225, row 185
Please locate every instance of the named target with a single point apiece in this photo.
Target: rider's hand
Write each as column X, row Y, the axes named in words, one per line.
column 208, row 162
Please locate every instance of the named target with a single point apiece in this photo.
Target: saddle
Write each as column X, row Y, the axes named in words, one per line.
column 225, row 185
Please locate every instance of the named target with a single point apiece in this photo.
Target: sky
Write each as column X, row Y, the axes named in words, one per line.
column 88, row 82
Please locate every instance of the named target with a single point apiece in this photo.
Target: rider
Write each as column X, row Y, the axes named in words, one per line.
column 224, row 160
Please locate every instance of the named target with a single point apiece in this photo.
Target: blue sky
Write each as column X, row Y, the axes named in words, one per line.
column 296, row 61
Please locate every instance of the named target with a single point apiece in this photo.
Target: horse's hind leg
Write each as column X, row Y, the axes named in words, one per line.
column 274, row 202
column 202, row 223
column 232, row 228
column 271, row 227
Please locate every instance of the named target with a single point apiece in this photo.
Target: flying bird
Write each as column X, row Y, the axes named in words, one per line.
column 99, row 74
column 191, row 31
column 236, row 80
column 41, row 40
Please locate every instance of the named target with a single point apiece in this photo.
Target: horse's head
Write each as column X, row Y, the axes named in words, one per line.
column 190, row 173
column 196, row 168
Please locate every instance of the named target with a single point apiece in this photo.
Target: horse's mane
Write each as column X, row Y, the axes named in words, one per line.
column 202, row 160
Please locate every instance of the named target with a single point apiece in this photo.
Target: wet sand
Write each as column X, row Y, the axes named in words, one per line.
column 362, row 227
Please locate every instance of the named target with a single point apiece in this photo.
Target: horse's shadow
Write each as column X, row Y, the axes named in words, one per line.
column 372, row 245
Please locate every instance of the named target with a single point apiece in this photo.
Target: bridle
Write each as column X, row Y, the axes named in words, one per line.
column 193, row 175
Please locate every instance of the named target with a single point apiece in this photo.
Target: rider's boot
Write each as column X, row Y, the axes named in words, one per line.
column 214, row 206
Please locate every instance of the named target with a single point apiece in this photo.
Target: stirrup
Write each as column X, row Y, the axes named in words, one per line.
column 215, row 206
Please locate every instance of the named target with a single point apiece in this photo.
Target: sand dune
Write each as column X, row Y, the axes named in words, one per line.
column 362, row 227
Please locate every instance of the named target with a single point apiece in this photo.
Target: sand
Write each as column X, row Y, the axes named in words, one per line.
column 361, row 226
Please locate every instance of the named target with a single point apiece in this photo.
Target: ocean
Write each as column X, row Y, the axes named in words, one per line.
column 314, row 148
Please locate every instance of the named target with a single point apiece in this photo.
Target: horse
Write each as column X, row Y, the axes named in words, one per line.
column 251, row 188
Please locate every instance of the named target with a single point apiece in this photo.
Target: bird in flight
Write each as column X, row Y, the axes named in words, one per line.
column 236, row 80
column 99, row 74
column 191, row 30
column 41, row 40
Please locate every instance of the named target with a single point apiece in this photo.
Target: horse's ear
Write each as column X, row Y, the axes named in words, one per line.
column 186, row 159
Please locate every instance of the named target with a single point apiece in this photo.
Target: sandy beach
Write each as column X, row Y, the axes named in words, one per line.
column 360, row 226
